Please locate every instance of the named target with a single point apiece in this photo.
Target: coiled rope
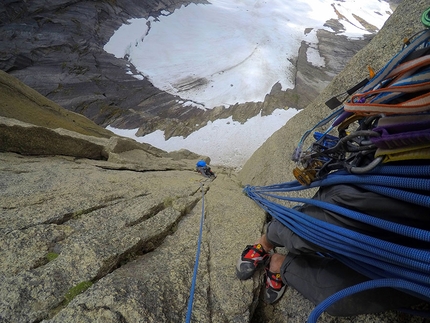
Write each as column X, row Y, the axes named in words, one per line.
column 387, row 263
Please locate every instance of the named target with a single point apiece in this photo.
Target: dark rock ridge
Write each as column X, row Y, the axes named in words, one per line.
column 56, row 47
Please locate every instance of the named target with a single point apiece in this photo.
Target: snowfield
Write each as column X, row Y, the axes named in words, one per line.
column 232, row 51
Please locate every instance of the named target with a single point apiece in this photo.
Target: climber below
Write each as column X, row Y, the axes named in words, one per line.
column 204, row 169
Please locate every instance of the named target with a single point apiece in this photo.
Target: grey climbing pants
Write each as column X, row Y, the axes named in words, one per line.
column 317, row 277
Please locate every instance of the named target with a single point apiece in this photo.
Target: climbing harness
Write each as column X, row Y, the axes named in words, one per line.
column 386, row 120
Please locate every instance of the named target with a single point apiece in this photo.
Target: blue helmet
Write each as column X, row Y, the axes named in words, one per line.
column 201, row 163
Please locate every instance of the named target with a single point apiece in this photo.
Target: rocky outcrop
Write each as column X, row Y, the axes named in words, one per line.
column 115, row 239
column 56, row 47
column 33, row 125
column 29, row 139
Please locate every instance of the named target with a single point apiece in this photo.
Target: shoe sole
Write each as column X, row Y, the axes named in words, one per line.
column 244, row 273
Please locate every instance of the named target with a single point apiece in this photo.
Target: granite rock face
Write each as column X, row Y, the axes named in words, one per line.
column 56, row 47
column 112, row 237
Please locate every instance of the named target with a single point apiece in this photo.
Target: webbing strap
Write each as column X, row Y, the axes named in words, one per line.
column 417, row 153
column 385, row 95
column 418, row 104
column 402, row 133
column 390, row 71
column 409, row 67
column 397, row 79
column 379, row 100
column 396, row 60
column 395, row 91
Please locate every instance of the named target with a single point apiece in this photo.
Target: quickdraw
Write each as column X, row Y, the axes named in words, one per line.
column 386, row 120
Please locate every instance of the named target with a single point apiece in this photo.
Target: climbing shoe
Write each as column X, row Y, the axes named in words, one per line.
column 275, row 287
column 249, row 261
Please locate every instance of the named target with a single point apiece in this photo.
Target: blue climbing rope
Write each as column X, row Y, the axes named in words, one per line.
column 388, row 264
column 196, row 263
column 389, row 282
